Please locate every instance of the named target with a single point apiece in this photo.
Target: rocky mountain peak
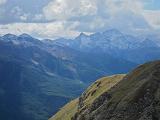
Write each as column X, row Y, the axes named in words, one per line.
column 9, row 36
column 25, row 35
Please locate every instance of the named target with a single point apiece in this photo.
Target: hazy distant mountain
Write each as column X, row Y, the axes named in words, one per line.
column 37, row 77
column 136, row 49
column 33, row 83
column 48, row 73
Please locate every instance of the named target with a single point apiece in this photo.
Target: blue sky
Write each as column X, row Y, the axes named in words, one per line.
column 153, row 5
column 67, row 18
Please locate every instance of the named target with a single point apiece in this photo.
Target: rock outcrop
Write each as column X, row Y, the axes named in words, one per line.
column 136, row 97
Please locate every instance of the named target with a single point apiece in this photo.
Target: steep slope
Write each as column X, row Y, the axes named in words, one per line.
column 94, row 91
column 67, row 112
column 136, row 97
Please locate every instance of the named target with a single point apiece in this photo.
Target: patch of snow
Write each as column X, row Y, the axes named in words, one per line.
column 35, row 62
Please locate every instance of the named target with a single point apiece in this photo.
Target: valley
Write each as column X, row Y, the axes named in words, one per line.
column 43, row 75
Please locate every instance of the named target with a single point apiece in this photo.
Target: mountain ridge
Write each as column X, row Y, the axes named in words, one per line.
column 87, row 98
column 135, row 97
column 50, row 75
column 60, row 70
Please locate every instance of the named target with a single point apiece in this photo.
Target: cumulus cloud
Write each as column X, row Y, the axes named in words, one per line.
column 19, row 13
column 153, row 18
column 2, row 2
column 23, row 17
column 97, row 15
column 64, row 9
column 41, row 30
column 69, row 17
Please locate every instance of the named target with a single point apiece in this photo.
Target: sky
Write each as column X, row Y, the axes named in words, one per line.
column 67, row 18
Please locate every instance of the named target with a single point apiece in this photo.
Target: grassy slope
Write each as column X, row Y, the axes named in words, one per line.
column 99, row 87
column 67, row 111
column 94, row 91
column 136, row 97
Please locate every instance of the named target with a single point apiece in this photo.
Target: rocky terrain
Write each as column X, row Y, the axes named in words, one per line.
column 88, row 97
column 135, row 97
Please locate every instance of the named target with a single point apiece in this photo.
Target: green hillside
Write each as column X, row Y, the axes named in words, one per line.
column 94, row 91
column 135, row 96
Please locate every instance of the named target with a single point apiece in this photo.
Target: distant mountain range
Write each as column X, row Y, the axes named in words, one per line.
column 39, row 76
column 136, row 49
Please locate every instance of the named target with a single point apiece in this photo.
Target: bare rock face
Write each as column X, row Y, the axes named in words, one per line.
column 136, row 97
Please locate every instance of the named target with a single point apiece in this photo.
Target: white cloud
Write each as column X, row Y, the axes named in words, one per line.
column 2, row 2
column 38, row 17
column 69, row 17
column 153, row 18
column 23, row 17
column 17, row 11
column 58, row 9
column 97, row 14
column 64, row 9
column 88, row 7
column 42, row 30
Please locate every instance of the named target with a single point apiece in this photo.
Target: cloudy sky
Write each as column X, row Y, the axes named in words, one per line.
column 67, row 18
